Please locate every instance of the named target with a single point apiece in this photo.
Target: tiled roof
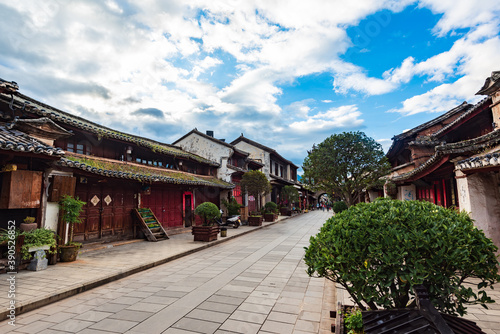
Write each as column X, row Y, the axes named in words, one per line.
column 141, row 173
column 15, row 140
column 483, row 102
column 40, row 109
column 415, row 130
column 463, row 147
column 263, row 147
column 482, row 161
column 491, row 84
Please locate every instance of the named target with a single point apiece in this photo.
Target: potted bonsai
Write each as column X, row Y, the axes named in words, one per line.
column 71, row 208
column 270, row 213
column 28, row 224
column 208, row 212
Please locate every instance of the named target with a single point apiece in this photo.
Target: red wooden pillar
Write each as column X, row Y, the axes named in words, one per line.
column 445, row 202
column 438, row 193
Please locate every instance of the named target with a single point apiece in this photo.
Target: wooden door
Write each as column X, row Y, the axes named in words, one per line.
column 188, row 211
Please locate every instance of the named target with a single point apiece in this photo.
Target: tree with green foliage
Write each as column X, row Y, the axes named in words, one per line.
column 379, row 251
column 207, row 211
column 71, row 209
column 289, row 195
column 344, row 165
column 256, row 184
column 232, row 206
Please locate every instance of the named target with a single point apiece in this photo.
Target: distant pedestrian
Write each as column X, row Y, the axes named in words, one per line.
column 323, row 207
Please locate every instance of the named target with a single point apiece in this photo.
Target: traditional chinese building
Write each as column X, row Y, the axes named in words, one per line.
column 452, row 160
column 279, row 171
column 233, row 162
column 113, row 172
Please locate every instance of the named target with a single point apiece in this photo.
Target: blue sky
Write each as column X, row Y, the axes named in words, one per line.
column 285, row 73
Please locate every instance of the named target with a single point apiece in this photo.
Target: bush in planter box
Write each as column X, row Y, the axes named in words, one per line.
column 271, row 207
column 378, row 251
column 208, row 212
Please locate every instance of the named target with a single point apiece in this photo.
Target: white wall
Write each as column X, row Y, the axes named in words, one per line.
column 209, row 149
column 479, row 194
column 407, row 193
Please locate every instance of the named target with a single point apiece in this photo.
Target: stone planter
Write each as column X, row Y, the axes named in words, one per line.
column 205, row 233
column 69, row 253
column 270, row 217
column 255, row 221
column 286, row 212
column 26, row 227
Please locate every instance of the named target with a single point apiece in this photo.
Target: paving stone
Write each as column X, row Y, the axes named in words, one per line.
column 93, row 316
column 145, row 307
column 257, row 318
column 277, row 327
column 110, row 307
column 240, row 327
column 114, row 325
column 199, row 326
column 282, row 317
column 131, row 315
column 307, row 326
column 58, row 317
column 218, row 307
column 256, row 308
column 72, row 325
column 213, row 316
column 226, row 300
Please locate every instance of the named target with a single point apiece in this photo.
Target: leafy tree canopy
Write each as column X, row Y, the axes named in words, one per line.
column 255, row 183
column 289, row 195
column 344, row 164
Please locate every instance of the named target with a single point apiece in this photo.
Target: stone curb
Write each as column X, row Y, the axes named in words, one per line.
column 72, row 291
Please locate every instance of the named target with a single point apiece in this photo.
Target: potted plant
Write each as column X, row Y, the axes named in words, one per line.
column 255, row 219
column 38, row 239
column 28, row 224
column 270, row 213
column 208, row 212
column 71, row 208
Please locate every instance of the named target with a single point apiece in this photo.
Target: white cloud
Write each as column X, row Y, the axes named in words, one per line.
column 334, row 118
column 471, row 59
column 462, row 14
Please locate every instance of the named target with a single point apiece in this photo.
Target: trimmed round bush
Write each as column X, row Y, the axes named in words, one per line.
column 379, row 251
column 271, row 207
column 207, row 212
column 339, row 206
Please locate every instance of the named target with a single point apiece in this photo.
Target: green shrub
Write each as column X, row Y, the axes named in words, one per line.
column 353, row 322
column 271, row 207
column 207, row 211
column 378, row 251
column 38, row 237
column 339, row 206
column 233, row 207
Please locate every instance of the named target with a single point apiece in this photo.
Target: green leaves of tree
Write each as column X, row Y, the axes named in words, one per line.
column 345, row 164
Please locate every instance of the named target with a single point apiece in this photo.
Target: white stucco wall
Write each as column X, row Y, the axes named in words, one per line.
column 256, row 154
column 209, row 149
column 479, row 194
column 407, row 193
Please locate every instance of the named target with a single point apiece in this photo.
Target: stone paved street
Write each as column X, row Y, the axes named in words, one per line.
column 251, row 284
